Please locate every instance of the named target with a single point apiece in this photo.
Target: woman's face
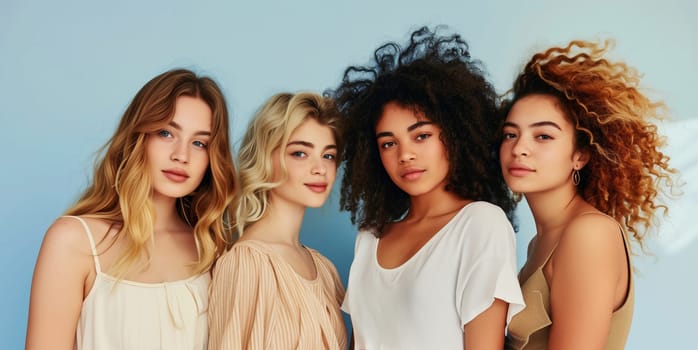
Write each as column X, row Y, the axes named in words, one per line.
column 411, row 150
column 538, row 148
column 178, row 153
column 311, row 164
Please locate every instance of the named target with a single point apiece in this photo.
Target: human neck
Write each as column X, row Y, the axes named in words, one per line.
column 434, row 205
column 552, row 210
column 166, row 216
column 280, row 224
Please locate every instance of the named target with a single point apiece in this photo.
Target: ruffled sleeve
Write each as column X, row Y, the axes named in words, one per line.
column 241, row 299
column 488, row 265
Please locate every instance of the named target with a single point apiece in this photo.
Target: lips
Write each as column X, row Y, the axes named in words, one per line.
column 318, row 187
column 176, row 175
column 412, row 174
column 520, row 170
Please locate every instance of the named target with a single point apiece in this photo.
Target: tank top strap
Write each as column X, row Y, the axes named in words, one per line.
column 620, row 228
column 625, row 241
column 550, row 255
column 93, row 247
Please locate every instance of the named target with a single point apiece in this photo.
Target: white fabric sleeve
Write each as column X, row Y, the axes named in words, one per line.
column 346, row 307
column 488, row 266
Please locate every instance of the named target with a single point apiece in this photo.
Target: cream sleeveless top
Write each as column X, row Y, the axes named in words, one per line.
column 135, row 315
column 530, row 328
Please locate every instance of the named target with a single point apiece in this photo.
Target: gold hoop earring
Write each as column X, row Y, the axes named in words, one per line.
column 576, row 177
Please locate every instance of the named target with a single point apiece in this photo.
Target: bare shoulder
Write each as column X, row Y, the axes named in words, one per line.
column 590, row 239
column 591, row 229
column 66, row 233
column 69, row 232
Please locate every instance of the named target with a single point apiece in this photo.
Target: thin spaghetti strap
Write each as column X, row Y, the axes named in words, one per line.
column 626, row 243
column 98, row 268
column 550, row 255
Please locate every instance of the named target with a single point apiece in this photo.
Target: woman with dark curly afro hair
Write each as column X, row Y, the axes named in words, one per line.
column 579, row 144
column 434, row 264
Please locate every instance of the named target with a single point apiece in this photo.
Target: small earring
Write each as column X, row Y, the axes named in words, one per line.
column 576, row 177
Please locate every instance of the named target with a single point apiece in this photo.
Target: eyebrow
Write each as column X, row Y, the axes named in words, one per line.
column 414, row 126
column 535, row 125
column 309, row 145
column 179, row 128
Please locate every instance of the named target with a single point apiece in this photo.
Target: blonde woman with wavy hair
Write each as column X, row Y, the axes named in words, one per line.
column 128, row 266
column 579, row 141
column 269, row 291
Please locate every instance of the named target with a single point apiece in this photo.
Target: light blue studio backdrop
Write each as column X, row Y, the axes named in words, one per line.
column 68, row 70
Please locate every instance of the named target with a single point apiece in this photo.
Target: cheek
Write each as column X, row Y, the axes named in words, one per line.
column 203, row 163
column 504, row 151
column 383, row 158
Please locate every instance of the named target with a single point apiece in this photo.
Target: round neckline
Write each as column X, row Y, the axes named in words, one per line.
column 422, row 248
column 264, row 246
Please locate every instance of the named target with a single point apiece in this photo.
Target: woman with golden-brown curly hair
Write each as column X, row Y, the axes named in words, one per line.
column 579, row 143
column 128, row 266
column 269, row 291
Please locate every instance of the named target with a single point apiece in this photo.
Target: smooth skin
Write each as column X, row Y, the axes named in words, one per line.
column 311, row 164
column 589, row 272
column 65, row 270
column 415, row 158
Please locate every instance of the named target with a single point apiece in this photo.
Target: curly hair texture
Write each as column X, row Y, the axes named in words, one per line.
column 121, row 188
column 269, row 130
column 614, row 123
column 435, row 76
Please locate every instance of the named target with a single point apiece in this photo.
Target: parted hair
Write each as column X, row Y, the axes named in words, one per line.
column 121, row 189
column 268, row 131
column 614, row 122
column 436, row 77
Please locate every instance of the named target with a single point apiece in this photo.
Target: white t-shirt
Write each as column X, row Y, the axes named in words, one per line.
column 426, row 302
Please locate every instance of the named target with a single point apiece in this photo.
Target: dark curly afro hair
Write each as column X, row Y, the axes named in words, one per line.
column 434, row 75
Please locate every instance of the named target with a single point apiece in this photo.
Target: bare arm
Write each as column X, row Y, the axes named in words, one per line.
column 486, row 331
column 588, row 271
column 58, row 286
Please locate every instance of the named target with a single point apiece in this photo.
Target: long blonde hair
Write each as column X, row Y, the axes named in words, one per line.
column 270, row 129
column 121, row 190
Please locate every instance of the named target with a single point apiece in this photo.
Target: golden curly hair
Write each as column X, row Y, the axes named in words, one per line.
column 614, row 120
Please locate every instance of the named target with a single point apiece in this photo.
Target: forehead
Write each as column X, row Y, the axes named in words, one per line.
column 395, row 116
column 537, row 108
column 192, row 113
column 311, row 130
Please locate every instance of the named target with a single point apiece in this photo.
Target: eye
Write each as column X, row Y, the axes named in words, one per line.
column 387, row 144
column 299, row 154
column 164, row 133
column 200, row 144
column 544, row 137
column 508, row 136
column 329, row 156
column 422, row 137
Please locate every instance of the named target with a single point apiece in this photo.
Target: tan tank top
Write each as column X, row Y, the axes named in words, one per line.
column 530, row 328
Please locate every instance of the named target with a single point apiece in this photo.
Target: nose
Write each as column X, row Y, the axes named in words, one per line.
column 318, row 168
column 406, row 155
column 180, row 152
column 520, row 148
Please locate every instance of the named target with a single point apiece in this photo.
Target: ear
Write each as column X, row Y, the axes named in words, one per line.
column 580, row 158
